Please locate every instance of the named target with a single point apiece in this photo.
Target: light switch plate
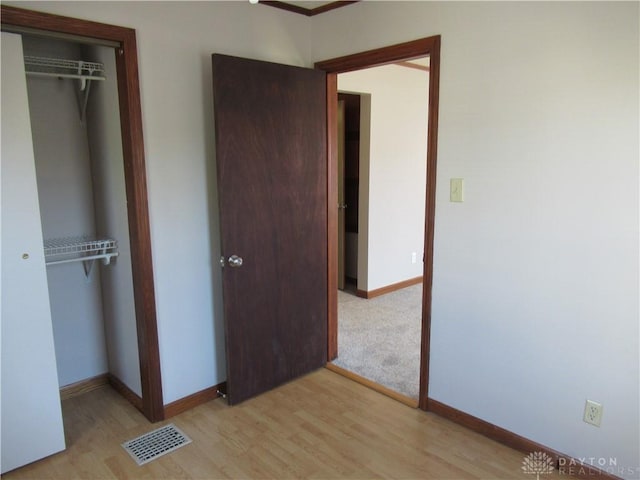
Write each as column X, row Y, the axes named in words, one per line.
column 457, row 190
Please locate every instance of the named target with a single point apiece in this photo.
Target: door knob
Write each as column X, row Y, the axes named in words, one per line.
column 235, row 261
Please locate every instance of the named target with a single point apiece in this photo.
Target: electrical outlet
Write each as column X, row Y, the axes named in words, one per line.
column 414, row 257
column 592, row 413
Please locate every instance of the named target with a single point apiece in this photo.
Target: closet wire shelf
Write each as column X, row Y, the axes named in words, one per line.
column 85, row 72
column 60, row 67
column 80, row 249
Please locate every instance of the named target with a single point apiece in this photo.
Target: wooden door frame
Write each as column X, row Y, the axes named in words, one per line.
column 135, row 181
column 372, row 58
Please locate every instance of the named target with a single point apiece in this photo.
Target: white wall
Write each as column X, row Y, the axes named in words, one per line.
column 535, row 294
column 175, row 43
column 107, row 165
column 397, row 170
column 536, row 274
column 66, row 207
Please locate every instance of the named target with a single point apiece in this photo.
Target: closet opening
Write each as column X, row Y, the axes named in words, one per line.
column 87, row 138
column 75, row 127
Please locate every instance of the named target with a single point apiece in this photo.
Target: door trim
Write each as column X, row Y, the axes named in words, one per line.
column 372, row 58
column 135, row 181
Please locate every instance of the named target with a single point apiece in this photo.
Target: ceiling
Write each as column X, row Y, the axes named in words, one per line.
column 308, row 8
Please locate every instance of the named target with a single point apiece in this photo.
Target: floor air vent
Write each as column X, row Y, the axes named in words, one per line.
column 154, row 444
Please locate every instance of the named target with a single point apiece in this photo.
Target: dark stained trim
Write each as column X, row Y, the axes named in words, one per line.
column 84, row 386
column 430, row 215
column 383, row 56
column 308, row 12
column 286, row 6
column 331, row 6
column 568, row 466
column 332, row 216
column 203, row 396
column 126, row 392
column 394, row 287
column 135, row 180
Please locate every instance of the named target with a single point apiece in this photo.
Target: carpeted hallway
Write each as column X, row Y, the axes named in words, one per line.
column 379, row 339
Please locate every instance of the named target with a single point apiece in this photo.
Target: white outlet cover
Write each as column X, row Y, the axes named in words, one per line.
column 592, row 413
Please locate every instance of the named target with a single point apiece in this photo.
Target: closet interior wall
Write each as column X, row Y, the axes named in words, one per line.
column 80, row 178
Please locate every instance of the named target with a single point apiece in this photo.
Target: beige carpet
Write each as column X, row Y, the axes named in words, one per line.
column 379, row 339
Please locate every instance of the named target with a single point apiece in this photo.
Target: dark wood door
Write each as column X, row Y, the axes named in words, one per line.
column 270, row 132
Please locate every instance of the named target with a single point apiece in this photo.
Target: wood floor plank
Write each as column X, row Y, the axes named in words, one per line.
column 319, row 426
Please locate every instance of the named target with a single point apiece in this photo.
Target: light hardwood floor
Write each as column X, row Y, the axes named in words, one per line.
column 320, row 426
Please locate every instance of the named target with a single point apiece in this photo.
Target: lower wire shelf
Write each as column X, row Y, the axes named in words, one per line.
column 83, row 248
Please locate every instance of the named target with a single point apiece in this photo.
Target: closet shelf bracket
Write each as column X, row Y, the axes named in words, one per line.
column 84, row 72
column 85, row 249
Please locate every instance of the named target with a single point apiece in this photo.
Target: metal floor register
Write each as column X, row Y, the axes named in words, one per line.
column 152, row 445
